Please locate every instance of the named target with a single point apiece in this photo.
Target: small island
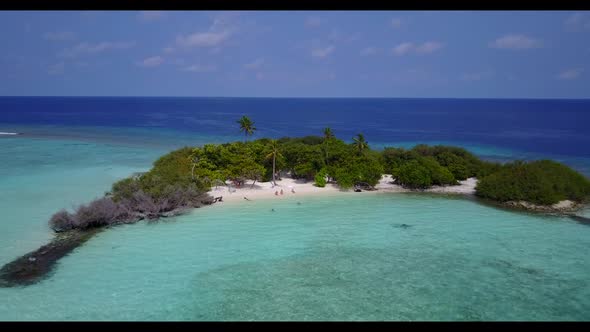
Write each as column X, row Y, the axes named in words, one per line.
column 192, row 177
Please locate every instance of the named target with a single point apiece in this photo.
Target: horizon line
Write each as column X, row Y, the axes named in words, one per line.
column 285, row 97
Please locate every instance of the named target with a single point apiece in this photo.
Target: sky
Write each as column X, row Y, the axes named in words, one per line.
column 423, row 54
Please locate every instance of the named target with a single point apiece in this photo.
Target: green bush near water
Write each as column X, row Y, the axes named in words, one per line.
column 320, row 178
column 543, row 182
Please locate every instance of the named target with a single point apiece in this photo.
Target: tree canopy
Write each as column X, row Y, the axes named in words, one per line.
column 543, row 182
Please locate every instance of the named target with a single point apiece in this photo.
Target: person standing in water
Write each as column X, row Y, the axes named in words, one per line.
column 281, row 191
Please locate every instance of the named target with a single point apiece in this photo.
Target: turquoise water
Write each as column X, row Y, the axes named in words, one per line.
column 330, row 258
column 335, row 258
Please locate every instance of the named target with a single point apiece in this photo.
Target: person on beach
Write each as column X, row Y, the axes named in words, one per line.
column 293, row 190
column 276, row 193
column 281, row 191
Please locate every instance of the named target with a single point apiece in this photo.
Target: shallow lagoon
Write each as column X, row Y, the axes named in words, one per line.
column 338, row 258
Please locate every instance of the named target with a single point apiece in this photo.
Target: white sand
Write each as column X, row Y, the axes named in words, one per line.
column 567, row 204
column 265, row 190
column 466, row 187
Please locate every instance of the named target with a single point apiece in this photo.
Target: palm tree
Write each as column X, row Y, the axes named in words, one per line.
column 247, row 126
column 274, row 153
column 360, row 143
column 328, row 134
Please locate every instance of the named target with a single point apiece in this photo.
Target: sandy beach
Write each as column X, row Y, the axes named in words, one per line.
column 293, row 188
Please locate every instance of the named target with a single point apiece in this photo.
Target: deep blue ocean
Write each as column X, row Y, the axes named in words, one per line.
column 543, row 126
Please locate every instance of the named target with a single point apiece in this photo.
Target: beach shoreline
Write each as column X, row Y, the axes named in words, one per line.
column 293, row 188
column 265, row 191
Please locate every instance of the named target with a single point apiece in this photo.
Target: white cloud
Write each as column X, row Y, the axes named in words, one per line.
column 89, row 48
column 312, row 22
column 218, row 32
column 428, row 47
column 202, row 39
column 151, row 61
column 168, row 50
column 254, row 64
column 369, row 51
column 322, row 52
column 403, row 48
column 200, row 68
column 59, row 35
column 396, row 22
column 56, row 69
column 150, row 15
column 424, row 48
column 515, row 42
column 570, row 74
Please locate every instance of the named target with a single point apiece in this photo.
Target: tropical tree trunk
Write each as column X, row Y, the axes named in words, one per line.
column 274, row 157
column 252, row 186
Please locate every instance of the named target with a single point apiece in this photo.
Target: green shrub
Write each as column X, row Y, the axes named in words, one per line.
column 320, row 178
column 541, row 182
column 343, row 177
column 414, row 175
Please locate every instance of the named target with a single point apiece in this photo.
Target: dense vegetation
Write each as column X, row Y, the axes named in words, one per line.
column 303, row 158
column 541, row 182
column 180, row 179
column 425, row 166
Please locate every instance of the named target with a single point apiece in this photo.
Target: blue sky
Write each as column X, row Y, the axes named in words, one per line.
column 510, row 54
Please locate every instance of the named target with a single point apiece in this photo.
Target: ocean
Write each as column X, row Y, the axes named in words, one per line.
column 338, row 258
